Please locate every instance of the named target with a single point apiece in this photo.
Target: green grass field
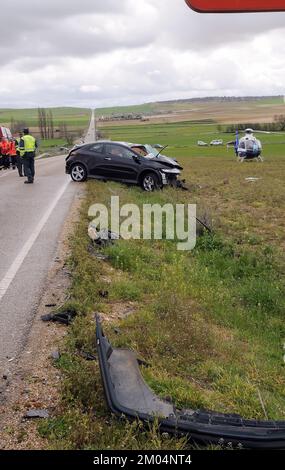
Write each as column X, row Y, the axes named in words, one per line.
column 182, row 139
column 209, row 322
column 74, row 117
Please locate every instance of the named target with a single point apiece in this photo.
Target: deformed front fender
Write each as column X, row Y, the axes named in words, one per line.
column 128, row 394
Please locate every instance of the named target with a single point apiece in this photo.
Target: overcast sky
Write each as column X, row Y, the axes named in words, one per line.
column 96, row 53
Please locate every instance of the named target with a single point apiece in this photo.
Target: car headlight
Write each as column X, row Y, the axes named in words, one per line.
column 172, row 171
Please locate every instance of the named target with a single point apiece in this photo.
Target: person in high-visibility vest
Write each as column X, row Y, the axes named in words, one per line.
column 28, row 145
column 20, row 154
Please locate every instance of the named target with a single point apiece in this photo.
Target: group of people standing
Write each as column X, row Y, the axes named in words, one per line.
column 19, row 153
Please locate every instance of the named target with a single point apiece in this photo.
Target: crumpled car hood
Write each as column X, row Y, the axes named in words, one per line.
column 163, row 159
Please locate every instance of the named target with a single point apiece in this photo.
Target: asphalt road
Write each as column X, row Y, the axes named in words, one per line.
column 31, row 218
column 91, row 134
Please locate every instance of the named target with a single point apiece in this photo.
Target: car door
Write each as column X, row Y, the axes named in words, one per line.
column 95, row 159
column 119, row 163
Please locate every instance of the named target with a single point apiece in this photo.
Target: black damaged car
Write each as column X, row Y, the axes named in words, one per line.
column 143, row 165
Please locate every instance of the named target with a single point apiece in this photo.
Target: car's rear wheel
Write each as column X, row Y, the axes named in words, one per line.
column 150, row 182
column 78, row 173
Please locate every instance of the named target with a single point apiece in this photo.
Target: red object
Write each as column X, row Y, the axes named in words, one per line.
column 13, row 150
column 235, row 6
column 5, row 147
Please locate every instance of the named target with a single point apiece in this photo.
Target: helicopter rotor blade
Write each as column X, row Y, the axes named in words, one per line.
column 266, row 132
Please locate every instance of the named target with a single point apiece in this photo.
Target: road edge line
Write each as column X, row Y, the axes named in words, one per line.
column 18, row 261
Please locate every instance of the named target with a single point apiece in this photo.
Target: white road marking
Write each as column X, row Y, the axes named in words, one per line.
column 17, row 263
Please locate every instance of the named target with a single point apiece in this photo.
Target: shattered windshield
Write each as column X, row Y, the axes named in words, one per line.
column 151, row 151
column 146, row 151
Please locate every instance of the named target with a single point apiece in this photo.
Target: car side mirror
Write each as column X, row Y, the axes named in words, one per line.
column 136, row 158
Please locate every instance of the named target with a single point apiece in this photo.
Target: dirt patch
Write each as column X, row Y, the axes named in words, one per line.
column 35, row 382
column 118, row 311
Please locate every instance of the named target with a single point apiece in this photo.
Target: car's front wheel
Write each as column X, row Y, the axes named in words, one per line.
column 78, row 173
column 150, row 182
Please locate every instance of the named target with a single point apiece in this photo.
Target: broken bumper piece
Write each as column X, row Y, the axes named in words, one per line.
column 128, row 394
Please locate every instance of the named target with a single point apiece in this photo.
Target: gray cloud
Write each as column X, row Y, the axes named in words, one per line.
column 105, row 52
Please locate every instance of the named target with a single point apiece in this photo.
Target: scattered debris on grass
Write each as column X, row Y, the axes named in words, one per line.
column 65, row 318
column 180, row 184
column 204, row 223
column 252, row 179
column 92, row 249
column 104, row 294
column 55, row 355
column 103, row 237
column 37, row 414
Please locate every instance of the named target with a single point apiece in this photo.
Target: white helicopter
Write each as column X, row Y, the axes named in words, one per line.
column 249, row 147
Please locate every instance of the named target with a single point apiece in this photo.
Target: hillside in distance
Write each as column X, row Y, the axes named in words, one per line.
column 208, row 109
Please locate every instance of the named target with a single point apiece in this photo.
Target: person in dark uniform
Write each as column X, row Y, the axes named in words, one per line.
column 20, row 154
column 28, row 146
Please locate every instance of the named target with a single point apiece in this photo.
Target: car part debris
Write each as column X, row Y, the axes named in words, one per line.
column 103, row 237
column 37, row 414
column 101, row 257
column 128, row 394
column 104, row 294
column 93, row 250
column 65, row 318
column 180, row 184
column 205, row 222
column 88, row 356
column 252, row 179
column 55, row 355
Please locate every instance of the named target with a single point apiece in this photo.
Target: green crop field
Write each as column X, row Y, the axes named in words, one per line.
column 210, row 322
column 182, row 139
column 73, row 117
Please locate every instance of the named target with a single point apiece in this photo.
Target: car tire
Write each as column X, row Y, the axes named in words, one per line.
column 149, row 182
column 78, row 173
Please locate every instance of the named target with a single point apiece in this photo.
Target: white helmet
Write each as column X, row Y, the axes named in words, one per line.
column 249, row 131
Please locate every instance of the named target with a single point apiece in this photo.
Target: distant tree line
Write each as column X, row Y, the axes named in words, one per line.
column 277, row 125
column 221, row 99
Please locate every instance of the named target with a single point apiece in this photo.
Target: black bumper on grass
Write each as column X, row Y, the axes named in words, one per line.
column 128, row 394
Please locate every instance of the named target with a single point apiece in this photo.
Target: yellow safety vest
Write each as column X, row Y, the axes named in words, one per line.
column 30, row 143
column 21, row 152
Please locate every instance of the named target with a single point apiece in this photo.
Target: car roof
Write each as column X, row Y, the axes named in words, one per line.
column 128, row 144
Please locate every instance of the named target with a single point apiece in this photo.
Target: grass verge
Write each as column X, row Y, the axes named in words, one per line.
column 209, row 322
